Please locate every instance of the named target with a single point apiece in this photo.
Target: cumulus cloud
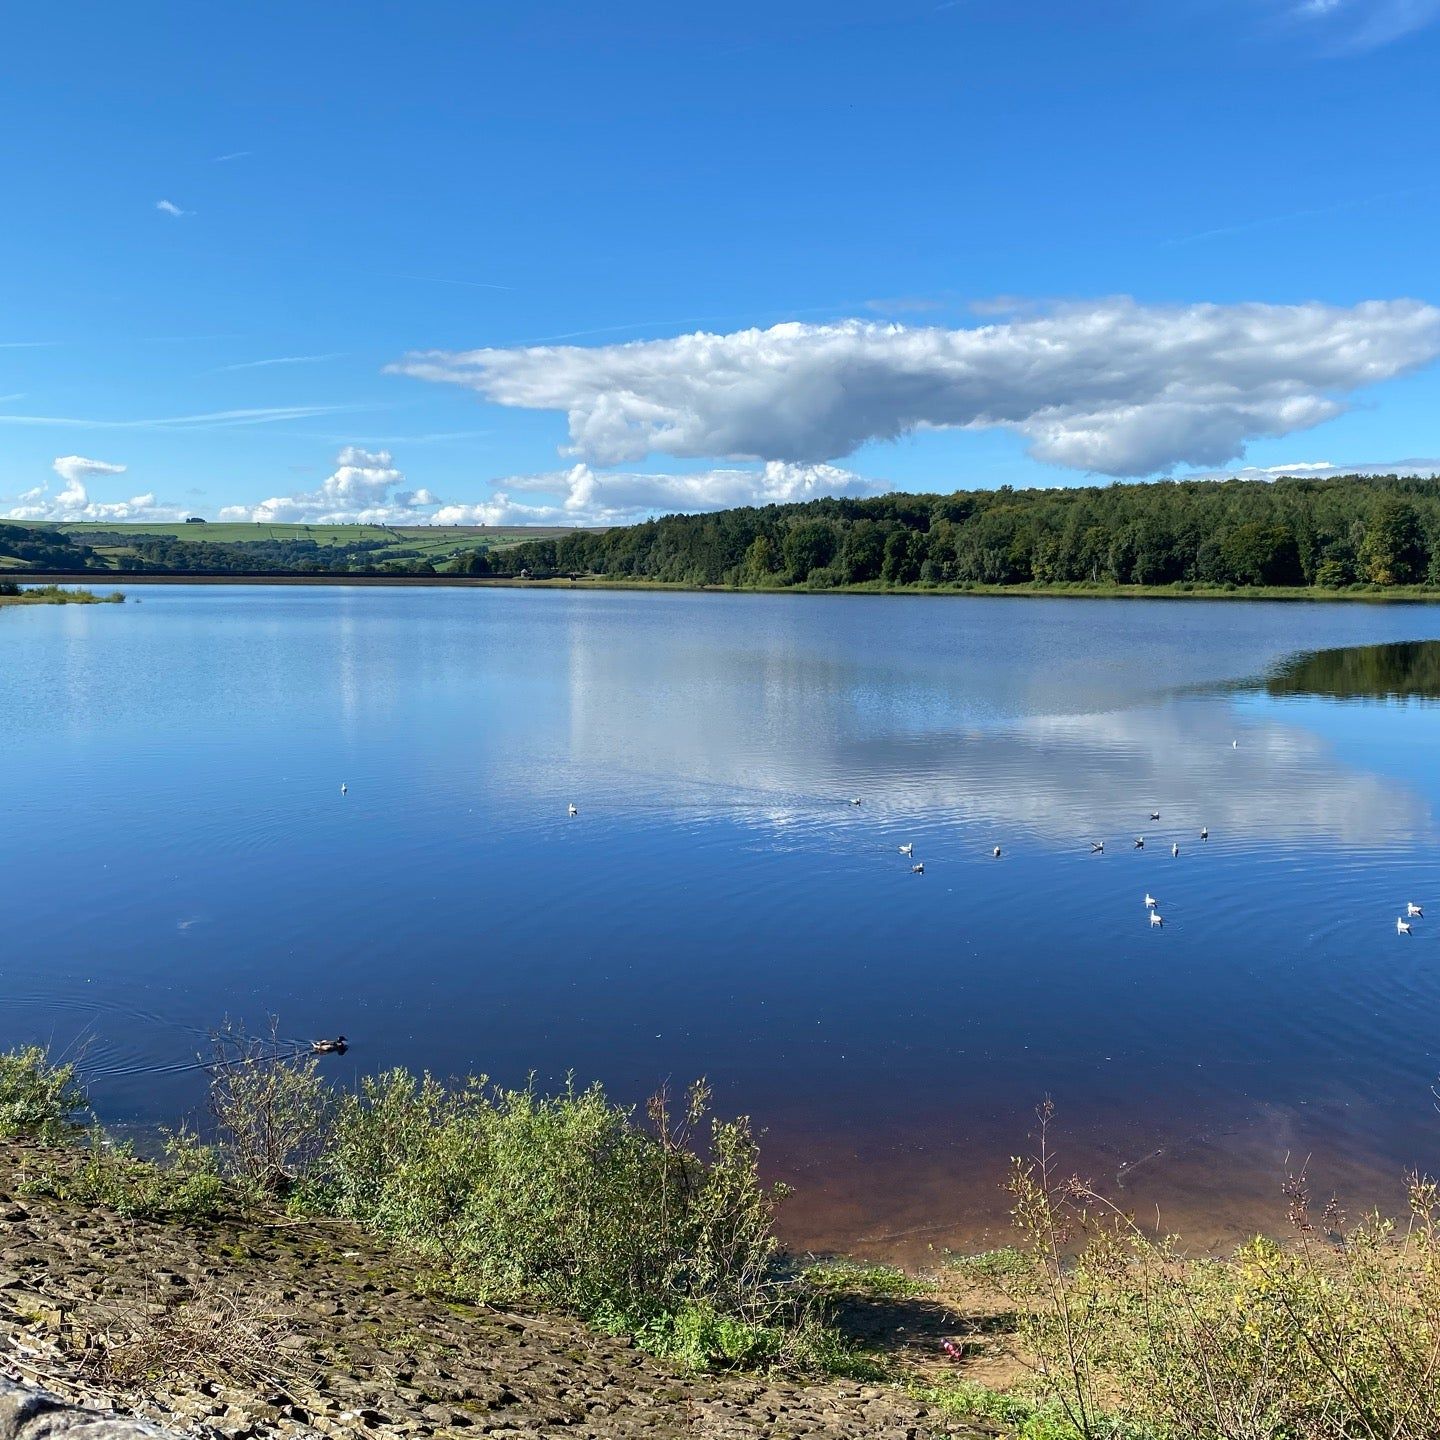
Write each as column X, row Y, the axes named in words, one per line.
column 170, row 208
column 365, row 489
column 72, row 501
column 1113, row 387
column 584, row 496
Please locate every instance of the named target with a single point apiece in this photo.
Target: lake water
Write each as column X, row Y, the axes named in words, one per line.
column 177, row 850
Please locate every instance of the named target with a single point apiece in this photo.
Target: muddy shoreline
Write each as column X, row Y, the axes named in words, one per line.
column 349, row 1337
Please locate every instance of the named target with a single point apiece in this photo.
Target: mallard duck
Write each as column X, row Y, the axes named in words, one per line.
column 338, row 1046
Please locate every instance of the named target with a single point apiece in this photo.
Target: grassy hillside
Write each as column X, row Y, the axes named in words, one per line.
column 242, row 547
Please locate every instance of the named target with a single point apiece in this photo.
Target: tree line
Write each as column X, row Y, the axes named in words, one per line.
column 1334, row 533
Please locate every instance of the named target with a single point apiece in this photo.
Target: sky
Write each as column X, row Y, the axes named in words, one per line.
column 578, row 264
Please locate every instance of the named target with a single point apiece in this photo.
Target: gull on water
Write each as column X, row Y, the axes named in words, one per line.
column 1174, row 850
column 1150, row 901
column 1412, row 910
column 344, row 788
column 856, row 800
column 1402, row 925
column 918, row 869
column 1156, row 919
column 1139, row 842
column 1097, row 847
column 908, row 849
column 1154, row 814
column 1204, row 832
column 997, row 852
column 574, row 810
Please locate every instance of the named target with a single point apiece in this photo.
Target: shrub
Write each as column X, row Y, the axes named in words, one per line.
column 38, row 1100
column 271, row 1106
column 566, row 1198
column 187, row 1186
column 1316, row 1340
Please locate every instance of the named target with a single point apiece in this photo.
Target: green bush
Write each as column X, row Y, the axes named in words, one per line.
column 564, row 1197
column 1316, row 1340
column 271, row 1106
column 38, row 1100
column 186, row 1186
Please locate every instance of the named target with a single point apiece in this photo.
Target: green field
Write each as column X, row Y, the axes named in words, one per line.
column 238, row 546
column 411, row 537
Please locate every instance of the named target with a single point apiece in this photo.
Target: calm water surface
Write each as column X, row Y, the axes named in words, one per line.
column 177, row 850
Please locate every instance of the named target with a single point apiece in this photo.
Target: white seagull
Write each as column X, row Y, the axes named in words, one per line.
column 1174, row 850
column 1150, row 901
column 344, row 788
column 997, row 852
column 918, row 869
column 1204, row 832
column 908, row 849
column 1402, row 926
column 1139, row 842
column 1097, row 847
column 1156, row 919
column 856, row 800
column 1154, row 814
column 574, row 810
column 1412, row 910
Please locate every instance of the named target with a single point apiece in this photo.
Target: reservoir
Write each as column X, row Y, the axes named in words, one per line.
column 177, row 851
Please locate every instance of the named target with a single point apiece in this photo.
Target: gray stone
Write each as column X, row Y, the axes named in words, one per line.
column 37, row 1415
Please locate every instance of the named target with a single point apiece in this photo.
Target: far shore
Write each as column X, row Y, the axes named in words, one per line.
column 1390, row 595
column 52, row 594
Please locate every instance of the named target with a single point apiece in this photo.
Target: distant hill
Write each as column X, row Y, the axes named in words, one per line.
column 219, row 548
column 1363, row 532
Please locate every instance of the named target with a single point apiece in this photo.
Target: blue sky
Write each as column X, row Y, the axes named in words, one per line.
column 358, row 197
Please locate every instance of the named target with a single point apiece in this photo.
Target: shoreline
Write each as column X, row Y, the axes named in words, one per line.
column 1396, row 595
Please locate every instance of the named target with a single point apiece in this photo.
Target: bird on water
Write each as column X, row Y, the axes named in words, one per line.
column 1097, row 847
column 1156, row 919
column 908, row 849
column 574, row 810
column 1412, row 910
column 338, row 1046
column 1150, row 901
column 1402, row 925
column 344, row 788
column 997, row 852
column 918, row 869
column 1174, row 850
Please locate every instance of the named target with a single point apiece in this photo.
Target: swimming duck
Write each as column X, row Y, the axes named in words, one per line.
column 338, row 1046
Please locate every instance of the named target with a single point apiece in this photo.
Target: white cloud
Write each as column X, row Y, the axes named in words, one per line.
column 1324, row 469
column 1113, row 387
column 170, row 208
column 1367, row 24
column 73, row 502
column 590, row 497
column 277, row 360
column 364, row 490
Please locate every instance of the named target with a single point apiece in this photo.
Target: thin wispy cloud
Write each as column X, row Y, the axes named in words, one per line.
column 276, row 360
column 233, row 155
column 28, row 344
column 446, row 280
column 1317, row 212
column 1350, row 26
column 170, row 208
column 212, row 420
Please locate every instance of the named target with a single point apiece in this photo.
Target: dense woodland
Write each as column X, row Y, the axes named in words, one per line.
column 1354, row 531
column 1382, row 531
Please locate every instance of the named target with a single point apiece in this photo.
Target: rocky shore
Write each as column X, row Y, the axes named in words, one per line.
column 248, row 1327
